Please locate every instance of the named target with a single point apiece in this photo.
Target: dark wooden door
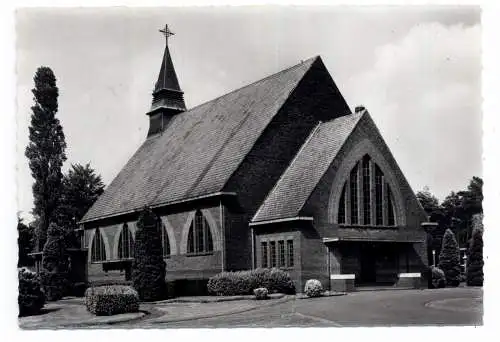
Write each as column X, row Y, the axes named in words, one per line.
column 368, row 264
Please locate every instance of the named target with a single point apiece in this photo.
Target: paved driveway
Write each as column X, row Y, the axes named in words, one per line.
column 453, row 306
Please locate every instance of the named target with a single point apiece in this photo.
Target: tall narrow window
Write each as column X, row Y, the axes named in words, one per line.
column 354, row 194
column 379, row 208
column 289, row 245
column 165, row 240
column 367, row 213
column 366, row 197
column 98, row 252
column 272, row 251
column 281, row 253
column 341, row 214
column 199, row 236
column 390, row 209
column 125, row 243
column 263, row 254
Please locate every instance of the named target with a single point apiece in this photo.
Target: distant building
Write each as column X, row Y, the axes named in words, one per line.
column 279, row 173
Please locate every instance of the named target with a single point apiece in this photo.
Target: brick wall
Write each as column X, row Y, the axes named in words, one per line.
column 320, row 202
column 179, row 265
column 277, row 233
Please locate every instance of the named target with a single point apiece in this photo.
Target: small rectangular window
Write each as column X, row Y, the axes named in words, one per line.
column 281, row 253
column 263, row 254
column 272, row 251
column 289, row 245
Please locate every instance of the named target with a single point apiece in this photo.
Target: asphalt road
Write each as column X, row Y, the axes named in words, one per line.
column 451, row 306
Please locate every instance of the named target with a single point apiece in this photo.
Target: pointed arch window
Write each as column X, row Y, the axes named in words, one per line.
column 125, row 243
column 366, row 197
column 165, row 241
column 98, row 252
column 200, row 238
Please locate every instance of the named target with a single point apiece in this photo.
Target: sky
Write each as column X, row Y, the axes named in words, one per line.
column 416, row 69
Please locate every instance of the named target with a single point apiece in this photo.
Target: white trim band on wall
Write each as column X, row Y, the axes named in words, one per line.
column 342, row 276
column 410, row 275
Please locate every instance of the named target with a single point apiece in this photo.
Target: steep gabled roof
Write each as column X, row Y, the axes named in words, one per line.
column 295, row 186
column 200, row 149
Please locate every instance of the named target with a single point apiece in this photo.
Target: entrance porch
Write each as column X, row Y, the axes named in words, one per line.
column 361, row 264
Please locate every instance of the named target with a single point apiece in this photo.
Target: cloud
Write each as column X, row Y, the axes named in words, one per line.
column 424, row 93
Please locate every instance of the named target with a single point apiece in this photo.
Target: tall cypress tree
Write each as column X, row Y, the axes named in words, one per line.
column 148, row 268
column 45, row 151
column 449, row 259
column 475, row 261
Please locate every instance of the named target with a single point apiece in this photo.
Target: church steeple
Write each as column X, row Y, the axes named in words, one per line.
column 168, row 98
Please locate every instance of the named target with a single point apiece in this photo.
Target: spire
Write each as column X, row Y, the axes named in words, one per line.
column 168, row 98
column 167, row 79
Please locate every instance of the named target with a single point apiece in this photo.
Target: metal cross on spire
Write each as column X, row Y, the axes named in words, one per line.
column 166, row 32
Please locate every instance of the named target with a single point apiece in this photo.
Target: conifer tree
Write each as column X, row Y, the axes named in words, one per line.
column 81, row 186
column 45, row 151
column 475, row 261
column 449, row 259
column 54, row 274
column 148, row 267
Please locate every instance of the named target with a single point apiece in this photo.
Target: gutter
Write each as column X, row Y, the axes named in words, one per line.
column 190, row 199
column 296, row 218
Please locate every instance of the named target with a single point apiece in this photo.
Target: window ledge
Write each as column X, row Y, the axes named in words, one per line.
column 344, row 225
column 199, row 254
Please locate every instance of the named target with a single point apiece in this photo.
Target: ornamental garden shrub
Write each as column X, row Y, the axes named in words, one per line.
column 31, row 297
column 313, row 288
column 244, row 282
column 449, row 259
column 55, row 266
column 261, row 293
column 148, row 267
column 475, row 276
column 438, row 277
column 111, row 300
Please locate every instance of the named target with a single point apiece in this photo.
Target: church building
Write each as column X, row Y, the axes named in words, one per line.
column 279, row 173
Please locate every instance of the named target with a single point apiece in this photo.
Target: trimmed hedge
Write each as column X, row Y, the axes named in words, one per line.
column 55, row 266
column 313, row 288
column 111, row 300
column 244, row 282
column 261, row 293
column 31, row 297
column 438, row 277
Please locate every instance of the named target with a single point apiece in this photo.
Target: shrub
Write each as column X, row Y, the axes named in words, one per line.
column 148, row 267
column 313, row 288
column 475, row 276
column 449, row 259
column 111, row 300
column 31, row 297
column 55, row 267
column 244, row 282
column 438, row 277
column 261, row 293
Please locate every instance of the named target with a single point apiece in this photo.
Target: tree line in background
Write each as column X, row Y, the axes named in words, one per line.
column 459, row 224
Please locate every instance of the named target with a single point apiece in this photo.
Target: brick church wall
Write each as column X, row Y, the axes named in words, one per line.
column 179, row 265
column 318, row 203
column 309, row 103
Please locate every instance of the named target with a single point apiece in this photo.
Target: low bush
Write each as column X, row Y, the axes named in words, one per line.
column 313, row 288
column 111, row 300
column 438, row 277
column 31, row 297
column 244, row 282
column 261, row 293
